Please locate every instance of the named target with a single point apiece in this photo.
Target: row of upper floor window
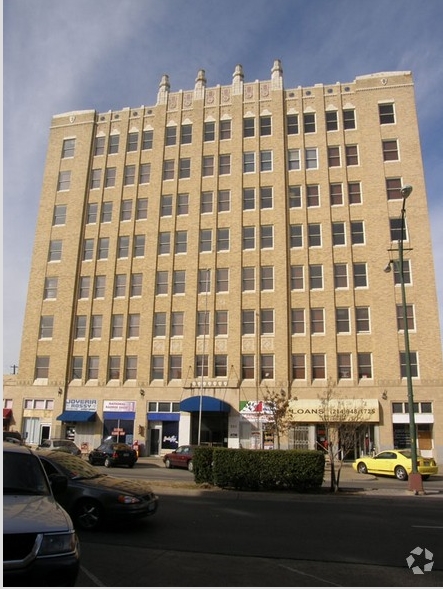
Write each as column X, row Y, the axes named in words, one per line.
column 252, row 126
column 211, row 165
column 302, row 322
column 303, row 367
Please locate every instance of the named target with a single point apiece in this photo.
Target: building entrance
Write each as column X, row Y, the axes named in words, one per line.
column 214, row 428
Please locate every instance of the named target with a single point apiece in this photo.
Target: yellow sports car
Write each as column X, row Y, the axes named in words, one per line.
column 396, row 463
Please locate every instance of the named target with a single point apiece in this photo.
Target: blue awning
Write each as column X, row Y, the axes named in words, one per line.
column 77, row 416
column 192, row 404
column 163, row 416
column 119, row 415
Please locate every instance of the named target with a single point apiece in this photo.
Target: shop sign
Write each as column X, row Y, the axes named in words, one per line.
column 81, row 405
column 317, row 411
column 119, row 406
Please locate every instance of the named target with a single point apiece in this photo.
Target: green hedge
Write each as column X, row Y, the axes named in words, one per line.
column 259, row 470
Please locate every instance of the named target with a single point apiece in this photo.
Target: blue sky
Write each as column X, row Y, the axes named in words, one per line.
column 63, row 55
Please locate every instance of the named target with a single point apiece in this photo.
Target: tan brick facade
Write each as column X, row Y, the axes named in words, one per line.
column 351, row 236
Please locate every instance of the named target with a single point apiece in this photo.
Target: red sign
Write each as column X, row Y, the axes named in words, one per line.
column 118, row 431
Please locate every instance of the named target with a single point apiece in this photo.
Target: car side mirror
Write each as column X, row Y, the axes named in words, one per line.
column 59, row 483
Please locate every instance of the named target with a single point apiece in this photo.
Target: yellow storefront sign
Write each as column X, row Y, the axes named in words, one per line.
column 316, row 410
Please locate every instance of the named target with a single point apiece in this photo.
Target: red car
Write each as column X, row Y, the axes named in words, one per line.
column 181, row 458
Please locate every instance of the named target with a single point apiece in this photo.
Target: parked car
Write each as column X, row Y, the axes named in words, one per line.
column 92, row 497
column 181, row 458
column 112, row 453
column 12, row 436
column 397, row 463
column 60, row 444
column 40, row 546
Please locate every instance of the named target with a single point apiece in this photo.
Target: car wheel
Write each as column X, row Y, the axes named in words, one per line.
column 91, row 460
column 168, row 463
column 131, row 465
column 362, row 468
column 88, row 514
column 400, row 473
column 190, row 466
column 425, row 476
column 108, row 463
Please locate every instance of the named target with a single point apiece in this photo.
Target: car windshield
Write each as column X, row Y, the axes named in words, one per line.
column 23, row 475
column 73, row 466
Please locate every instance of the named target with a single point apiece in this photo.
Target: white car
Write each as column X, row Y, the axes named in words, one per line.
column 60, row 444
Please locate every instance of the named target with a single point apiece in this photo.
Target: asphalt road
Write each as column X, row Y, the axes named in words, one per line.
column 225, row 538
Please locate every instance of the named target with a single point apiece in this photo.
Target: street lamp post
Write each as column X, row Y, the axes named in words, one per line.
column 415, row 482
column 205, row 327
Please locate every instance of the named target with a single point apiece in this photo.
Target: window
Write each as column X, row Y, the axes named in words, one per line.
column 317, row 321
column 88, row 249
column 177, row 322
column 64, row 180
column 248, row 127
column 201, row 365
column 80, row 327
column 390, row 150
column 342, row 320
column 266, row 161
column 364, row 365
column 202, row 323
column 409, row 317
column 99, row 287
column 248, row 366
column 336, row 194
column 267, row 366
column 120, row 285
column 351, row 155
column 204, row 281
column 248, row 322
column 114, row 367
column 266, row 197
column 99, row 146
column 395, row 226
column 147, row 139
column 184, row 170
column 393, row 188
column 248, row 199
column 298, row 367
column 314, row 234
column 132, row 144
column 175, row 367
column 315, row 276
column 248, row 162
column 220, row 365
column 318, row 366
column 267, row 278
column 357, row 232
column 46, row 326
column 113, row 144
column 103, row 248
column 349, row 119
column 129, row 175
column 93, row 365
column 136, row 284
column 248, row 279
column 206, row 202
column 297, row 278
column 91, row 215
column 139, row 246
column 224, row 201
column 110, row 175
column 158, row 367
column 340, row 276
column 164, row 243
column 159, row 324
column 83, row 287
column 224, row 164
column 181, row 242
column 186, row 134
column 131, row 368
column 331, row 120
column 209, row 131
column 126, row 210
column 248, row 238
column 294, row 196
column 117, row 326
column 123, row 246
column 225, row 129
column 266, row 321
column 294, row 159
column 344, row 366
column 161, row 284
column 50, row 288
column 360, row 278
column 265, row 126
column 208, row 165
column 96, row 326
column 59, row 216
column 309, row 122
column 266, row 236
column 145, row 173
column 311, row 158
column 205, row 240
column 296, row 236
column 222, row 280
column 42, row 367
column 297, row 321
column 223, row 239
column 362, row 319
column 178, row 282
column 168, row 170
column 77, row 367
column 334, row 157
column 171, row 135
column 182, row 204
column 312, row 195
column 338, row 233
column 386, row 114
column 141, row 209
column 221, row 323
column 292, row 124
column 354, row 193
column 106, row 212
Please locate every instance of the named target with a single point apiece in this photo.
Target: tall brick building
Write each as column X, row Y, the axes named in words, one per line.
column 224, row 242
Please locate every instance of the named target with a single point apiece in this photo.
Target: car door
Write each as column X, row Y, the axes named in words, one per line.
column 385, row 462
column 183, row 456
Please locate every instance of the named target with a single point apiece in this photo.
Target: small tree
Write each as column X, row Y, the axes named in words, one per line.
column 280, row 415
column 342, row 419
